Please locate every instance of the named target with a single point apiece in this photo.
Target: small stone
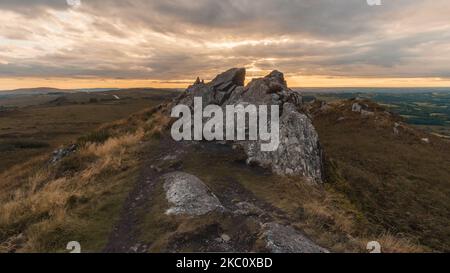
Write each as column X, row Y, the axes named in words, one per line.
column 225, row 238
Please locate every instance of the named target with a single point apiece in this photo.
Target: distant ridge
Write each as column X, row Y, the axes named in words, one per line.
column 38, row 90
column 46, row 90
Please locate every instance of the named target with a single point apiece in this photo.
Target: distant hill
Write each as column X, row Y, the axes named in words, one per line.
column 47, row 90
column 50, row 90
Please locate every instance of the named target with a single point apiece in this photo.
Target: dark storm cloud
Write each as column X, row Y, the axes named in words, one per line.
column 32, row 7
column 319, row 17
column 180, row 38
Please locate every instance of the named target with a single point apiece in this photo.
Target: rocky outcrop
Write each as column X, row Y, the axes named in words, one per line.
column 282, row 239
column 218, row 91
column 188, row 195
column 299, row 151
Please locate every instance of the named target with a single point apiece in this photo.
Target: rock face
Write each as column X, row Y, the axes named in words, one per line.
column 188, row 195
column 218, row 91
column 299, row 151
column 282, row 239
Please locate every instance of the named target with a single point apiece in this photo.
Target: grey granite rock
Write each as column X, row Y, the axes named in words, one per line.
column 188, row 195
column 299, row 152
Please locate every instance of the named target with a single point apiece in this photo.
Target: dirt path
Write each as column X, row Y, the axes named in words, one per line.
column 125, row 234
column 241, row 204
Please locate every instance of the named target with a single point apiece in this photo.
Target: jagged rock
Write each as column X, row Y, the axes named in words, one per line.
column 356, row 107
column 218, row 91
column 234, row 76
column 299, row 151
column 282, row 239
column 63, row 152
column 189, row 195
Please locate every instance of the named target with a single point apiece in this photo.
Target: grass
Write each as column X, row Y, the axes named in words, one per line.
column 99, row 136
column 77, row 199
column 400, row 184
column 323, row 213
column 22, row 144
column 372, row 193
column 37, row 126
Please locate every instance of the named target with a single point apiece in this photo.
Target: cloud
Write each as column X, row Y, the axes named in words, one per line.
column 180, row 39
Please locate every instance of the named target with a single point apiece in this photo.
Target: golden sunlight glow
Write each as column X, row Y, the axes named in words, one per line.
column 299, row 81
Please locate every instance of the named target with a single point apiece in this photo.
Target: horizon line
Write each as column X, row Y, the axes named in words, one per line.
column 174, row 88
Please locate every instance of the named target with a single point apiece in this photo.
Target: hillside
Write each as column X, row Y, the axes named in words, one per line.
column 399, row 177
column 128, row 187
column 37, row 124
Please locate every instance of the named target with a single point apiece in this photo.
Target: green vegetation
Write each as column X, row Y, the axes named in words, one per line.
column 399, row 183
column 426, row 110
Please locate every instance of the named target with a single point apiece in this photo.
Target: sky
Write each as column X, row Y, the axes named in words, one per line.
column 155, row 43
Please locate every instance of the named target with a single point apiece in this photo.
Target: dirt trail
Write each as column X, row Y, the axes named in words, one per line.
column 125, row 234
column 242, row 207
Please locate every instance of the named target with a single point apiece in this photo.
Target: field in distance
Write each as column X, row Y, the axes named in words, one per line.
column 426, row 109
column 36, row 122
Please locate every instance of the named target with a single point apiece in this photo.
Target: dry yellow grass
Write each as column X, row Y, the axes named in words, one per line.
column 158, row 123
column 38, row 201
column 392, row 244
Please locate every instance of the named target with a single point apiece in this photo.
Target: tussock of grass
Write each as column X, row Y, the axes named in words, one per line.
column 159, row 123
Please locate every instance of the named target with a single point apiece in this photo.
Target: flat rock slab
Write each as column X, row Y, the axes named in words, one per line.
column 283, row 239
column 188, row 195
